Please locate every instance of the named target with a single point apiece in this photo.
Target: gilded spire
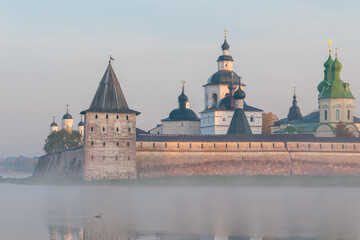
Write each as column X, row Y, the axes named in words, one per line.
column 330, row 42
column 225, row 31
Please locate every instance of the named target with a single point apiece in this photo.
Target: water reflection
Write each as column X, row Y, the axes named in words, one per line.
column 66, row 233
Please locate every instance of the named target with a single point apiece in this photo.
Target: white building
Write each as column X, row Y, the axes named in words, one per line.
column 219, row 107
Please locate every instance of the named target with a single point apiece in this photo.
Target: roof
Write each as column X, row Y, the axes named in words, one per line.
column 109, row 96
column 223, row 77
column 313, row 117
column 300, row 128
column 81, row 123
column 239, row 123
column 240, row 138
column 294, row 110
column 225, row 58
column 67, row 116
column 53, row 124
column 140, row 131
column 225, row 105
column 182, row 114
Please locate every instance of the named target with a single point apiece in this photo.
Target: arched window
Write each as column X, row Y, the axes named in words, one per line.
column 348, row 114
column 214, row 99
column 337, row 114
column 252, row 119
column 325, row 115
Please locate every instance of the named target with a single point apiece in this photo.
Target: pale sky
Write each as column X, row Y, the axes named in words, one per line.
column 54, row 53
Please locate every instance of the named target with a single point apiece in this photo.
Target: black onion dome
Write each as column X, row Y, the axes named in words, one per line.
column 182, row 115
column 239, row 94
column 81, row 123
column 53, row 124
column 182, row 97
column 223, row 77
column 67, row 116
column 225, row 46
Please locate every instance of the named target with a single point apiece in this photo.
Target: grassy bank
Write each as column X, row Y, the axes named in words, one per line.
column 226, row 181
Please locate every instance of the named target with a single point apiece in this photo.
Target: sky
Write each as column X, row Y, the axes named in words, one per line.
column 54, row 53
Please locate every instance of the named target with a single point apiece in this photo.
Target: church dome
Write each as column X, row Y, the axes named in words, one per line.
column 183, row 97
column 336, row 65
column 67, row 116
column 225, row 46
column 185, row 114
column 239, row 94
column 223, row 77
column 81, row 123
column 53, row 124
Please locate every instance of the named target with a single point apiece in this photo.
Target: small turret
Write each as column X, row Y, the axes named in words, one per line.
column 327, row 70
column 239, row 123
column 67, row 121
column 81, row 126
column 53, row 126
column 294, row 111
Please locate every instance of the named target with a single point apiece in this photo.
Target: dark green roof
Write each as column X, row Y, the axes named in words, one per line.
column 239, row 123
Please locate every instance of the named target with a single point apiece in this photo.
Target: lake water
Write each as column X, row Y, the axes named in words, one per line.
column 203, row 213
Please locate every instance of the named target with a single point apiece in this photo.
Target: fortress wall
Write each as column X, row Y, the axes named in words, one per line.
column 64, row 164
column 195, row 158
column 162, row 159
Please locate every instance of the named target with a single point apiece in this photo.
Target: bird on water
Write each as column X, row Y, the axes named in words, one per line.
column 98, row 216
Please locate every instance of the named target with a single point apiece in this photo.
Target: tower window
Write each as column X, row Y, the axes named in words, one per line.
column 325, row 115
column 92, row 129
column 103, row 129
column 128, row 144
column 107, row 116
column 92, row 156
column 337, row 114
column 117, row 143
column 252, row 119
column 117, row 129
column 103, row 143
column 129, row 129
column 117, row 116
column 127, row 117
column 96, row 116
column 92, row 143
column 214, row 99
column 348, row 114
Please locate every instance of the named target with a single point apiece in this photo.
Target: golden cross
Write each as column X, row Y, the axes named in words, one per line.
column 67, row 108
column 335, row 52
column 225, row 31
column 330, row 42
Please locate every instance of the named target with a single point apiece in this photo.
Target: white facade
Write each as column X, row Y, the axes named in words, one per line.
column 54, row 128
column 67, row 124
column 218, row 122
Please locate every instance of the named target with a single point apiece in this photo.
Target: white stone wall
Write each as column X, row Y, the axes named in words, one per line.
column 157, row 130
column 181, row 127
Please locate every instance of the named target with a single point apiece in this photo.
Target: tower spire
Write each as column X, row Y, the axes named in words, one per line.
column 53, row 118
column 330, row 42
column 225, row 31
column 67, row 108
column 183, row 86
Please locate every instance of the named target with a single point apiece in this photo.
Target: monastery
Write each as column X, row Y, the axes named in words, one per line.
column 225, row 140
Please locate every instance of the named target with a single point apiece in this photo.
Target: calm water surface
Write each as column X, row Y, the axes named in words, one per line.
column 204, row 213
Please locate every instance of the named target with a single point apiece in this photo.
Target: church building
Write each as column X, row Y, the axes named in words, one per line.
column 219, row 103
column 336, row 103
column 181, row 120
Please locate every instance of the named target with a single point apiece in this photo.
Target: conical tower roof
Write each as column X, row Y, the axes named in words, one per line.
column 109, row 96
column 294, row 111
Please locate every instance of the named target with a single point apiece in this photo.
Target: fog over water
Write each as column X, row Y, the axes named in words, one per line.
column 135, row 212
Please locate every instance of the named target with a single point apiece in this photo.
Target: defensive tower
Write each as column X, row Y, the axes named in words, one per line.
column 110, row 133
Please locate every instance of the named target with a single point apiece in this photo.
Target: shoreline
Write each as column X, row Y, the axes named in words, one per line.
column 203, row 181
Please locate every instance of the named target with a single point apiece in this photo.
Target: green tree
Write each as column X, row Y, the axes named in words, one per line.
column 60, row 140
column 342, row 131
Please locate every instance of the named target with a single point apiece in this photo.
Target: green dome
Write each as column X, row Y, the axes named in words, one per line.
column 337, row 66
column 327, row 73
column 328, row 62
column 335, row 87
